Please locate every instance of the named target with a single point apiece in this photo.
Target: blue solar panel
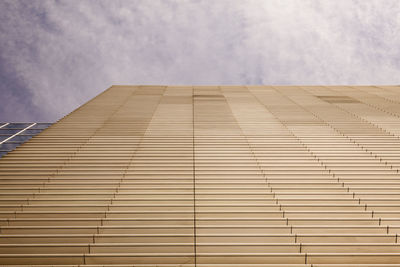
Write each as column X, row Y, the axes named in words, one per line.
column 9, row 139
column 16, row 126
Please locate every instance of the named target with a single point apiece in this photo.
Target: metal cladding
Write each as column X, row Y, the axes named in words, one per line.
column 210, row 176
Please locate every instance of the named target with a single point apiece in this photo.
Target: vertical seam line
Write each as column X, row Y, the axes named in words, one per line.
column 194, row 186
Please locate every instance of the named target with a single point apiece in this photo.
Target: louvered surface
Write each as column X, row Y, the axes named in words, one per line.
column 209, row 176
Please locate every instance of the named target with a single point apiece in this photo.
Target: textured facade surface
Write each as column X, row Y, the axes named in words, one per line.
column 210, row 176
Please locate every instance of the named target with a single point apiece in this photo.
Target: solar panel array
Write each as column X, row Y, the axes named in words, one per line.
column 15, row 134
column 210, row 176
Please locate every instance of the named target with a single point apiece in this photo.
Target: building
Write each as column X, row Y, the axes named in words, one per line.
column 210, row 176
column 15, row 134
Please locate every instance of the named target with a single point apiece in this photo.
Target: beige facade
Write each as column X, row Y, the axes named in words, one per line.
column 210, row 176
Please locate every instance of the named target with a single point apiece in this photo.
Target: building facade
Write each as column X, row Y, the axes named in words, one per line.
column 210, row 176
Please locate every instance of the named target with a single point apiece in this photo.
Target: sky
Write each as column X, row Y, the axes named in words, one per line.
column 56, row 55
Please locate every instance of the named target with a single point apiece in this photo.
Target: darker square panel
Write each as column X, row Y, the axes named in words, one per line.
column 176, row 100
column 154, row 90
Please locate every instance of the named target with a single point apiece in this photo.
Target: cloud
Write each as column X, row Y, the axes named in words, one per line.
column 55, row 55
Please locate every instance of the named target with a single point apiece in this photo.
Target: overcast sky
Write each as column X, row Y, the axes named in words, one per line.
column 56, row 55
